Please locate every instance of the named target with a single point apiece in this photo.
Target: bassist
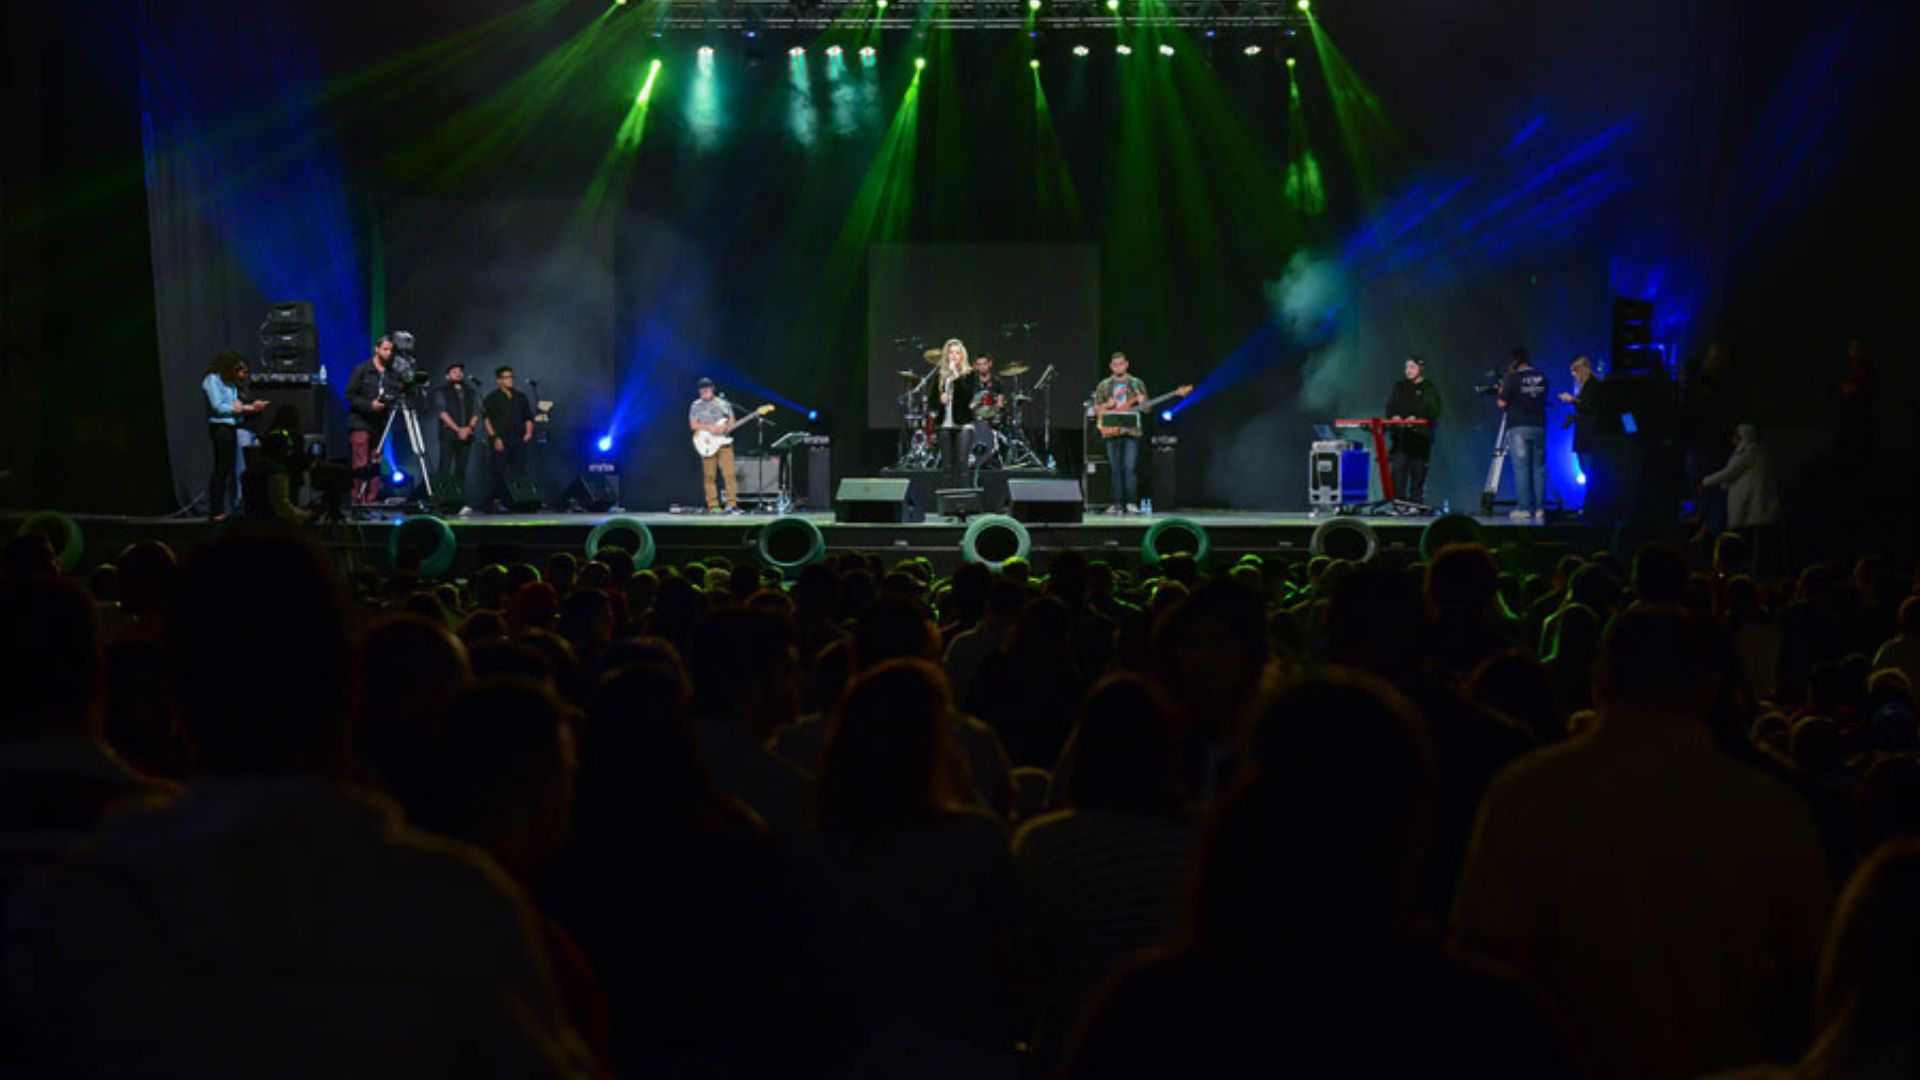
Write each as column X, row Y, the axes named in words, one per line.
column 1118, row 404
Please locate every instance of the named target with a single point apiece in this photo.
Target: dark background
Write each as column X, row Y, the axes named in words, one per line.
column 973, row 291
column 171, row 167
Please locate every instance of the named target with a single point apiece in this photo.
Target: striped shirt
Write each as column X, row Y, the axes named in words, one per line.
column 1100, row 886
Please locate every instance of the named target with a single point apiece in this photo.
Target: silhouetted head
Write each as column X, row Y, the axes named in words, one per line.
column 889, row 761
column 1126, row 756
column 1655, row 659
column 272, row 694
column 50, row 660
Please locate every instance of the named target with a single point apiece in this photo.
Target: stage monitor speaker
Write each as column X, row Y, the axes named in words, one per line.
column 312, row 404
column 1050, row 501
column 881, row 501
column 449, row 491
column 1163, row 473
column 595, row 491
column 523, row 496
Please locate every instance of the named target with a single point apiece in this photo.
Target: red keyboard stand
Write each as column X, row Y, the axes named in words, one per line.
column 1378, row 425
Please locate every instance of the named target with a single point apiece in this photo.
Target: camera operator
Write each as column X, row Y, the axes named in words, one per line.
column 1523, row 393
column 459, row 413
column 367, row 402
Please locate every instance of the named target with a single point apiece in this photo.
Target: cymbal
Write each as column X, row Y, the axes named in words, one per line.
column 910, row 376
column 932, row 355
column 1017, row 369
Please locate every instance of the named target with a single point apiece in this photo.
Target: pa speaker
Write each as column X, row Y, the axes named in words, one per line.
column 882, row 501
column 595, row 491
column 522, row 496
column 1050, row 501
column 1163, row 473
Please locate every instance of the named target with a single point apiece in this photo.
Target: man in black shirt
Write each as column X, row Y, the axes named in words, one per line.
column 459, row 415
column 1413, row 398
column 508, row 417
column 366, row 415
column 1523, row 393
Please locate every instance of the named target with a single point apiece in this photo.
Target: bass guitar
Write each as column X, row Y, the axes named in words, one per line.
column 708, row 443
column 1132, row 412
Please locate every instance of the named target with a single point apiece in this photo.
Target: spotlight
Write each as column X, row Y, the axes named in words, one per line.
column 1081, row 50
column 605, row 444
column 1034, row 63
column 812, row 415
column 1166, row 416
column 919, row 62
column 1305, row 5
column 1166, row 50
column 1113, row 5
column 1579, row 478
column 1251, row 50
column 1033, row 5
column 833, row 50
column 1291, row 61
column 868, row 52
column 797, row 51
column 879, row 5
column 752, row 33
column 1211, row 33
column 705, row 52
column 1123, row 50
column 399, row 477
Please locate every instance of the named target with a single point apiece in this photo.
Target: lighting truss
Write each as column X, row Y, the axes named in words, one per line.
column 819, row 15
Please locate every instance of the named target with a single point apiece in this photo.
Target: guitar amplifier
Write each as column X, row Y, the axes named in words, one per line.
column 757, row 476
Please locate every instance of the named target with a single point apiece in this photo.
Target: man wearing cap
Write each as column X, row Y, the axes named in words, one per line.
column 710, row 412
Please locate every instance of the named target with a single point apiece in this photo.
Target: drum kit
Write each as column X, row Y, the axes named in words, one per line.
column 923, row 421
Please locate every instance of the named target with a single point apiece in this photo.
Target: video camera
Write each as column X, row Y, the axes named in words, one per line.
column 405, row 373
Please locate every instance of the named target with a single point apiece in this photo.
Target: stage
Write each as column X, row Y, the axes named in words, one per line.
column 679, row 537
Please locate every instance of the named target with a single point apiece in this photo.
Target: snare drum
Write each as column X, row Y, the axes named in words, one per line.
column 987, row 405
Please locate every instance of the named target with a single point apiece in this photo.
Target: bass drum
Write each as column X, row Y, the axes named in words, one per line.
column 987, row 405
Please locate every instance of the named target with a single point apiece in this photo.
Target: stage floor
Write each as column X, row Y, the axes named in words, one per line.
column 485, row 538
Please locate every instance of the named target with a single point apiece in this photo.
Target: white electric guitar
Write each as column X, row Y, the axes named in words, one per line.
column 709, row 443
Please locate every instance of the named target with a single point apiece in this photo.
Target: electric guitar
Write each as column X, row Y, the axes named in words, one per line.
column 1102, row 411
column 708, row 443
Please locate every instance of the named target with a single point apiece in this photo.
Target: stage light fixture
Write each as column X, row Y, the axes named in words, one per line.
column 868, row 52
column 1081, row 50
column 797, row 51
column 833, row 50
column 1291, row 61
column 1166, row 50
column 1113, row 5
column 1166, row 416
column 1034, row 63
column 705, row 52
column 605, row 444
column 1305, row 5
column 399, row 477
column 813, row 415
column 919, row 62
column 879, row 5
column 1033, row 5
column 1123, row 50
column 1251, row 50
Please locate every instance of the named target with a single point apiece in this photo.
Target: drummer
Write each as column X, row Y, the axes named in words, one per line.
column 980, row 393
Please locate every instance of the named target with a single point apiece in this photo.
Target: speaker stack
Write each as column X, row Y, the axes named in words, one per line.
column 287, row 374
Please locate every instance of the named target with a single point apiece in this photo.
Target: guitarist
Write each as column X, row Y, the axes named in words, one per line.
column 711, row 412
column 1117, row 404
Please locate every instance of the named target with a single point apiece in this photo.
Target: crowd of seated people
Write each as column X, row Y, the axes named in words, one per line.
column 1621, row 815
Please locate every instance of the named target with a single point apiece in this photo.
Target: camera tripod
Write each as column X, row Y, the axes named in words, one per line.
column 400, row 406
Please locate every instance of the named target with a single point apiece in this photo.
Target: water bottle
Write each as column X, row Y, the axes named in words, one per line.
column 1146, row 506
column 1049, row 462
column 1446, row 506
column 323, row 374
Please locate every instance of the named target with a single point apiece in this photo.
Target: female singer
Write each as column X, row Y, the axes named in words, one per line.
column 954, row 365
